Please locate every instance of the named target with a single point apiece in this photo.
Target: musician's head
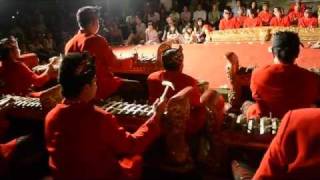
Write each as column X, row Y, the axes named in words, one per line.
column 285, row 47
column 252, row 13
column 277, row 11
column 307, row 13
column 227, row 13
column 172, row 59
column 265, row 6
column 77, row 77
column 9, row 49
column 88, row 18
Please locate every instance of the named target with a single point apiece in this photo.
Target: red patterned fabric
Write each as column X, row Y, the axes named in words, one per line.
column 283, row 22
column 294, row 152
column 98, row 47
column 265, row 16
column 308, row 22
column 85, row 142
column 252, row 22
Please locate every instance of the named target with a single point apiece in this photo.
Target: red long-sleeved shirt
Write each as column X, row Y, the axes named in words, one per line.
column 279, row 88
column 283, row 21
column 308, row 22
column 98, row 47
column 265, row 17
column 85, row 142
column 16, row 78
column 231, row 23
column 254, row 22
column 294, row 152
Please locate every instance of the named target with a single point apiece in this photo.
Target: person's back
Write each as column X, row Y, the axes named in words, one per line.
column 278, row 88
column 283, row 86
column 294, row 152
column 81, row 142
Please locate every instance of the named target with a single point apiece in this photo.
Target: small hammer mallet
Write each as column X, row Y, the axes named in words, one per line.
column 167, row 85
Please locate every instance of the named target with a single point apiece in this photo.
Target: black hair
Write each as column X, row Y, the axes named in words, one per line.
column 253, row 11
column 76, row 70
column 168, row 63
column 286, row 46
column 5, row 47
column 86, row 15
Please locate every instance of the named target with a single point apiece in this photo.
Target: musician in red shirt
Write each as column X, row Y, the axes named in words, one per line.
column 228, row 21
column 241, row 17
column 87, row 39
column 279, row 19
column 283, row 86
column 298, row 3
column 173, row 65
column 15, row 77
column 265, row 15
column 84, row 141
column 252, row 20
column 295, row 15
column 308, row 21
column 294, row 151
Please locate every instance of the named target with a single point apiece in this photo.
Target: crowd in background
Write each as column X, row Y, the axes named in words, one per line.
column 46, row 33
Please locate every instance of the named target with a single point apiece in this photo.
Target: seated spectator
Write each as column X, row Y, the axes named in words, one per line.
column 241, row 16
column 115, row 33
column 49, row 44
column 214, row 16
column 86, row 142
column 265, row 15
column 188, row 35
column 152, row 36
column 198, row 31
column 252, row 20
column 295, row 15
column 171, row 32
column 307, row 21
column 293, row 153
column 154, row 17
column 173, row 66
column 283, row 86
column 175, row 16
column 137, row 36
column 236, row 6
column 254, row 6
column 15, row 77
column 185, row 16
column 279, row 19
column 228, row 21
column 199, row 13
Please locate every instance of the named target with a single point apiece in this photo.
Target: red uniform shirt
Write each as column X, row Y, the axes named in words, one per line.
column 265, row 17
column 85, row 142
column 228, row 24
column 16, row 78
column 240, row 20
column 308, row 22
column 284, row 21
column 279, row 88
column 294, row 152
column 252, row 22
column 294, row 17
column 98, row 47
column 180, row 81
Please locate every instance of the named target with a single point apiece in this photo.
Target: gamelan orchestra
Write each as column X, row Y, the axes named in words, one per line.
column 167, row 109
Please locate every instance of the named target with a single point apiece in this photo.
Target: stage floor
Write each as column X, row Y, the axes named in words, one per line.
column 206, row 61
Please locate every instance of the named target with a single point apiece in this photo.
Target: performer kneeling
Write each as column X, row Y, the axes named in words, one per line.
column 84, row 141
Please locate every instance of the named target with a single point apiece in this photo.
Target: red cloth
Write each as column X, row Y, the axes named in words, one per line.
column 284, row 21
column 228, row 24
column 98, row 47
column 294, row 17
column 265, row 17
column 308, row 22
column 30, row 59
column 85, row 142
column 294, row 152
column 240, row 20
column 180, row 81
column 279, row 88
column 17, row 78
column 255, row 22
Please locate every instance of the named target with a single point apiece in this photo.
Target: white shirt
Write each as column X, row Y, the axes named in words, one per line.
column 200, row 14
